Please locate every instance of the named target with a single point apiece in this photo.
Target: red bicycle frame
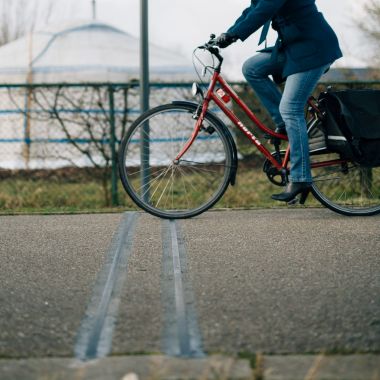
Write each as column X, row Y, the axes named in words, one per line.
column 225, row 89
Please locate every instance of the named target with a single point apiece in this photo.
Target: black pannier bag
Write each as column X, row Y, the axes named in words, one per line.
column 352, row 124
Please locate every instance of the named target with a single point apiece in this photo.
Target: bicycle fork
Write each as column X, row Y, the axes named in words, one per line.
column 198, row 115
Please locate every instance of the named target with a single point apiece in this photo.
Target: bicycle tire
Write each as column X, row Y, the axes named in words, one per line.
column 205, row 168
column 346, row 188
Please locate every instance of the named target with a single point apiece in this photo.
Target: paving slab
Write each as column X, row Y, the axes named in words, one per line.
column 311, row 367
column 48, row 267
column 139, row 325
column 127, row 368
column 286, row 281
column 216, row 367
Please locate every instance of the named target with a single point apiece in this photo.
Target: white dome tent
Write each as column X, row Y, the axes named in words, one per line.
column 86, row 52
column 76, row 53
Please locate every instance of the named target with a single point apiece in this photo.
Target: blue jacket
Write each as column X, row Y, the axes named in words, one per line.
column 305, row 37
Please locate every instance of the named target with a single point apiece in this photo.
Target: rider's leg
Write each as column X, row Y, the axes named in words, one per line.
column 298, row 88
column 256, row 70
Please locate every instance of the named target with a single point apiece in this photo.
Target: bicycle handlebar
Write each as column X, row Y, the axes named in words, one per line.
column 210, row 44
column 213, row 48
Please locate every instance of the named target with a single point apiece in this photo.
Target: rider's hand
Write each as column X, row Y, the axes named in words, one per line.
column 225, row 39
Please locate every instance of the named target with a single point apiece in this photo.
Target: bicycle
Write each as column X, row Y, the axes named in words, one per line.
column 178, row 159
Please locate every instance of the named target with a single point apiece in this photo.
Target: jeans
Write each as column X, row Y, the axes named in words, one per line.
column 288, row 108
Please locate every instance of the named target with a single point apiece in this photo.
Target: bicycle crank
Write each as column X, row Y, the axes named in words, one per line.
column 276, row 176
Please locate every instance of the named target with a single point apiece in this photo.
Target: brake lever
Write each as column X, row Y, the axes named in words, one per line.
column 210, row 44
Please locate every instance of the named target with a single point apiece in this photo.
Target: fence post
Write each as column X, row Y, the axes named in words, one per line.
column 114, row 194
column 144, row 98
column 27, row 126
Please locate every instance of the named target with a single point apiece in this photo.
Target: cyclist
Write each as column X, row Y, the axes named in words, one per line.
column 305, row 49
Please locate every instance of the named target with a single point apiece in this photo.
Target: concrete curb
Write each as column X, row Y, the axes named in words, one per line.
column 127, row 368
column 321, row 367
column 217, row 367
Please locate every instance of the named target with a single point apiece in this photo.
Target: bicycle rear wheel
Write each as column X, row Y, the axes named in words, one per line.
column 158, row 183
column 345, row 187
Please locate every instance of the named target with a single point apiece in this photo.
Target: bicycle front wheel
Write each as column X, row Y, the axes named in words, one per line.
column 344, row 186
column 170, row 188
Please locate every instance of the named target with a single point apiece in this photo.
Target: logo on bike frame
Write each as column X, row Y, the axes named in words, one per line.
column 249, row 133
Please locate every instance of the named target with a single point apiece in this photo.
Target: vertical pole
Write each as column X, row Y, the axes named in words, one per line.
column 94, row 9
column 27, row 125
column 144, row 56
column 144, row 97
column 114, row 195
column 28, row 106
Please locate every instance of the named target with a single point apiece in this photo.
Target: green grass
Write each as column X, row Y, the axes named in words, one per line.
column 59, row 195
column 44, row 196
column 251, row 357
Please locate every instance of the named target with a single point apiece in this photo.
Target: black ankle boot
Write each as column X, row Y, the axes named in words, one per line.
column 292, row 190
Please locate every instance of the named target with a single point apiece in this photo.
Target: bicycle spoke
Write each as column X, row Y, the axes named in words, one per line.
column 187, row 187
column 163, row 191
column 190, row 182
column 207, row 178
column 171, row 187
column 200, row 168
column 348, row 189
column 184, row 186
column 163, row 176
column 140, row 171
column 152, row 181
column 204, row 163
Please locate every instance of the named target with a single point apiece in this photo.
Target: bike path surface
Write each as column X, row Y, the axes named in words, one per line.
column 48, row 267
column 280, row 281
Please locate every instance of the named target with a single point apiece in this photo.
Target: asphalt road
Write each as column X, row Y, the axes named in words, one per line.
column 280, row 281
column 47, row 270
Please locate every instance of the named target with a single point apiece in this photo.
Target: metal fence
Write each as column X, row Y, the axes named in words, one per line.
column 59, row 142
column 54, row 135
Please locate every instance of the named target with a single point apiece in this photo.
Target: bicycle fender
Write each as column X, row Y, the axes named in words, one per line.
column 193, row 107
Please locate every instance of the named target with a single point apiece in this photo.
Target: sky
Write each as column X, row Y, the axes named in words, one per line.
column 182, row 25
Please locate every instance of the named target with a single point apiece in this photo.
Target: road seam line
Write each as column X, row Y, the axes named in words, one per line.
column 181, row 335
column 94, row 338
